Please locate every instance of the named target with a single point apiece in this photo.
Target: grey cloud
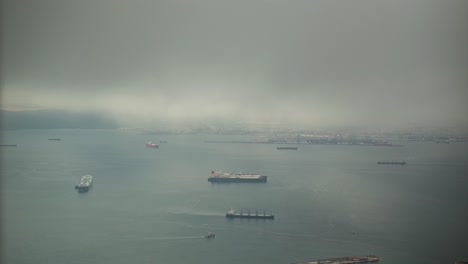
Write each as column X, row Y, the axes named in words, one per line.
column 314, row 63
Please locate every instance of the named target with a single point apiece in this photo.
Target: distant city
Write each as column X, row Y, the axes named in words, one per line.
column 260, row 133
column 326, row 136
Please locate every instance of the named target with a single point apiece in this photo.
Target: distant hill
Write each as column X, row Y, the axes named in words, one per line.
column 54, row 119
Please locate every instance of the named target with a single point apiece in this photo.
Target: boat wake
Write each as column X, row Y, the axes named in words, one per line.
column 178, row 238
column 197, row 213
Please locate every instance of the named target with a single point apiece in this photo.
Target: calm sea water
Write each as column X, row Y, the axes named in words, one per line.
column 155, row 205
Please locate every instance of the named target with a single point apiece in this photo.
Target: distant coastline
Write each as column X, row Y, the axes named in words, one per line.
column 54, row 119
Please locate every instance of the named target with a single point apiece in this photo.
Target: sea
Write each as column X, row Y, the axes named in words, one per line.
column 154, row 205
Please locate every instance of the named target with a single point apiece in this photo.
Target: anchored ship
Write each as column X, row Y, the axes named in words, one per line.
column 401, row 162
column 219, row 176
column 55, row 139
column 150, row 144
column 343, row 260
column 233, row 214
column 287, row 148
column 85, row 184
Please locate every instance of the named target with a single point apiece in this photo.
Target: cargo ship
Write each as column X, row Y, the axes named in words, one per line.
column 401, row 162
column 7, row 145
column 232, row 214
column 218, row 176
column 287, row 148
column 150, row 144
column 381, row 143
column 343, row 260
column 55, row 139
column 85, row 184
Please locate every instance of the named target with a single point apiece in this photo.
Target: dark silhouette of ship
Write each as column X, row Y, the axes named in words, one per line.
column 401, row 162
column 286, row 148
column 343, row 260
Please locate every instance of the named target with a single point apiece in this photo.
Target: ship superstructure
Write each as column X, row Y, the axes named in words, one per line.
column 219, row 176
column 150, row 144
column 85, row 184
column 233, row 214
column 343, row 260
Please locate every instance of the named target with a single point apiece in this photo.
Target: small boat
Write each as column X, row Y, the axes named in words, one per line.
column 150, row 144
column 209, row 235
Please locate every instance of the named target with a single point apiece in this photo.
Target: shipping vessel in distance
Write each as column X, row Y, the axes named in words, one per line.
column 54, row 139
column 287, row 148
column 401, row 162
column 343, row 260
column 233, row 214
column 85, row 184
column 219, row 176
column 150, row 144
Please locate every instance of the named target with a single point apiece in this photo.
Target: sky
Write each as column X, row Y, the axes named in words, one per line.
column 302, row 63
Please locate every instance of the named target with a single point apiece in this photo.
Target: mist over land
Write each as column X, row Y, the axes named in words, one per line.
column 287, row 64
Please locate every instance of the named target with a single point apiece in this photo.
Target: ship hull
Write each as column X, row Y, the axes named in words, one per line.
column 83, row 190
column 286, row 148
column 391, row 163
column 250, row 216
column 343, row 260
column 262, row 179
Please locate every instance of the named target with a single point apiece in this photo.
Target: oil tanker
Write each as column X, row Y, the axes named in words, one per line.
column 401, row 162
column 232, row 214
column 343, row 260
column 286, row 148
column 219, row 176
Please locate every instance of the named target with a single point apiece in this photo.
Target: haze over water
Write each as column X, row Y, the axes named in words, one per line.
column 154, row 205
column 332, row 68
